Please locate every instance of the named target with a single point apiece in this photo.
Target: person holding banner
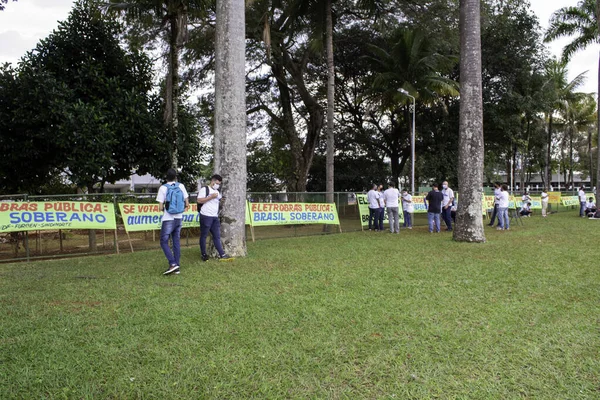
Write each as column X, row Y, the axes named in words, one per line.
column 407, row 208
column 545, row 199
column 433, row 201
column 173, row 200
column 390, row 197
column 373, row 199
column 208, row 204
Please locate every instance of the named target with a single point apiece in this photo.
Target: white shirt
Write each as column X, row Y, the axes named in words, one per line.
column 497, row 192
column 448, row 196
column 373, row 198
column 211, row 207
column 581, row 196
column 526, row 198
column 161, row 196
column 407, row 204
column 391, row 196
column 590, row 205
column 503, row 200
column 381, row 200
column 544, row 197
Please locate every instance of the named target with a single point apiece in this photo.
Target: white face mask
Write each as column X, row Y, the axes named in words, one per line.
column 216, row 186
column 445, row 186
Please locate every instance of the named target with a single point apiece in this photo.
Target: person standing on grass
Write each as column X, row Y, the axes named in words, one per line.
column 407, row 209
column 526, row 198
column 503, row 200
column 497, row 191
column 373, row 199
column 582, row 201
column 433, row 201
column 208, row 204
column 544, row 202
column 381, row 207
column 390, row 197
column 447, row 205
column 173, row 200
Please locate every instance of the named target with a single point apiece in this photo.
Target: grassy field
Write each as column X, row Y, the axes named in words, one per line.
column 352, row 316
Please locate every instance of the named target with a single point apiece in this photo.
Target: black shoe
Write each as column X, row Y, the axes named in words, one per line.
column 225, row 257
column 172, row 268
column 204, row 257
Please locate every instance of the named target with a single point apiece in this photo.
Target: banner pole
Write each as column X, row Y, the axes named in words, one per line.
column 60, row 240
column 129, row 240
column 116, row 241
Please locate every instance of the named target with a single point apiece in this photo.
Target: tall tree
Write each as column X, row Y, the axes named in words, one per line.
column 230, row 122
column 469, row 221
column 583, row 22
column 329, row 172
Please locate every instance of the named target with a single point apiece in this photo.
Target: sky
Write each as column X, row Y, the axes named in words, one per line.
column 24, row 23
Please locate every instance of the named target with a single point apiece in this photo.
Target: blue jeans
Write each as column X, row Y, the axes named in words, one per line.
column 171, row 229
column 374, row 218
column 447, row 215
column 582, row 208
column 381, row 216
column 431, row 218
column 503, row 221
column 407, row 219
column 212, row 225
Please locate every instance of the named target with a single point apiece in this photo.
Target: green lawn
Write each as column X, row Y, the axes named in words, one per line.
column 352, row 316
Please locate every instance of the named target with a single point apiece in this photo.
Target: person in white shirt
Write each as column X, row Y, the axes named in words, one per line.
column 503, row 222
column 497, row 191
column 582, row 201
column 590, row 207
column 447, row 205
column 381, row 208
column 526, row 209
column 544, row 202
column 390, row 198
column 407, row 208
column 208, row 199
column 171, row 196
column 373, row 199
column 526, row 198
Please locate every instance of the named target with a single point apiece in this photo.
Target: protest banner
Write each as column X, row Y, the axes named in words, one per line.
column 569, row 201
column 148, row 217
column 363, row 210
column 265, row 214
column 39, row 216
column 554, row 197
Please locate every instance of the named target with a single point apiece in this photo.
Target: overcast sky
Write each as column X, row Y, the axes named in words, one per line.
column 24, row 23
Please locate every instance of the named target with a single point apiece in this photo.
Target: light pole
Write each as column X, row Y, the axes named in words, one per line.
column 412, row 142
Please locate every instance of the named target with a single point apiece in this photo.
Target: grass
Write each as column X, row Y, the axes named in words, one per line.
column 352, row 316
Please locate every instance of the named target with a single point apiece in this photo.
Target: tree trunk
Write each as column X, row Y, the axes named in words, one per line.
column 230, row 122
column 591, row 158
column 329, row 184
column 571, row 180
column 469, row 219
column 548, row 171
column 172, row 88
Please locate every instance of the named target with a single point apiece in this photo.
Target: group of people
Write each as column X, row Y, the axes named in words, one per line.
column 501, row 202
column 440, row 205
column 173, row 200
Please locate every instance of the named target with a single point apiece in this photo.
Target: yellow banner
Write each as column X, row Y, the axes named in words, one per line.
column 570, row 201
column 264, row 214
column 21, row 216
column 363, row 209
column 148, row 217
column 554, row 197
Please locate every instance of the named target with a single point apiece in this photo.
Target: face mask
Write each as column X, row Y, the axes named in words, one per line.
column 445, row 186
column 216, row 186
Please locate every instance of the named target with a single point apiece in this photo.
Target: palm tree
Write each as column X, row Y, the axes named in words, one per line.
column 469, row 221
column 583, row 22
column 171, row 18
column 561, row 92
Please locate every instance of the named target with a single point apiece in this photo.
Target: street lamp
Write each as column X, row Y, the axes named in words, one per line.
column 412, row 142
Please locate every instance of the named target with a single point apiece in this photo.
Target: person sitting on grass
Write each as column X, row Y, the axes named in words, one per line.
column 526, row 210
column 590, row 207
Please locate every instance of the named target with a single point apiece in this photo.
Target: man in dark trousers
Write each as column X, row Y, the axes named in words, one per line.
column 495, row 212
column 434, row 208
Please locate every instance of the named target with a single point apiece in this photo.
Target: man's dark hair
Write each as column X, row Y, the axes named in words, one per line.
column 216, row 177
column 171, row 174
column 505, row 188
column 435, row 185
column 391, row 184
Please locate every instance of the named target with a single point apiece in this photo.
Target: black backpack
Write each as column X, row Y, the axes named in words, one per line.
column 206, row 195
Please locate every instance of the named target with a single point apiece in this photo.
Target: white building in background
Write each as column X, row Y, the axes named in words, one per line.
column 136, row 184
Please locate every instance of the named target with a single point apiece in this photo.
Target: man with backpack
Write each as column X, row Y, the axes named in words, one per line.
column 208, row 206
column 173, row 200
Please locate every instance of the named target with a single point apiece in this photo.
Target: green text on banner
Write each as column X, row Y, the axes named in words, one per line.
column 38, row 216
column 148, row 217
column 264, row 214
